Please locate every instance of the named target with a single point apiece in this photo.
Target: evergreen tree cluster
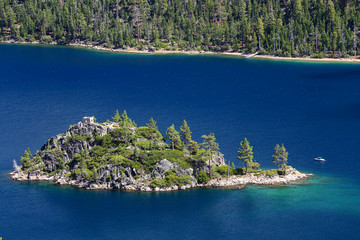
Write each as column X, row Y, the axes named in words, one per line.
column 246, row 156
column 293, row 28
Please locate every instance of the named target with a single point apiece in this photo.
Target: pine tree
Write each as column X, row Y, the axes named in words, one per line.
column 153, row 130
column 116, row 117
column 280, row 156
column 193, row 147
column 173, row 136
column 290, row 28
column 210, row 145
column 25, row 159
column 245, row 153
column 260, row 31
column 276, row 156
column 185, row 133
column 126, row 121
column 283, row 156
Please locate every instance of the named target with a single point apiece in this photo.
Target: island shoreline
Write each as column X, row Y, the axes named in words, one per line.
column 77, row 158
column 195, row 53
column 234, row 182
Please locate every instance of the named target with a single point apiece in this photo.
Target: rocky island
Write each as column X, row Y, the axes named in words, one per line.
column 119, row 155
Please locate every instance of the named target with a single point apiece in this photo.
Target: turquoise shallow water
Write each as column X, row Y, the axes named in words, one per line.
column 312, row 107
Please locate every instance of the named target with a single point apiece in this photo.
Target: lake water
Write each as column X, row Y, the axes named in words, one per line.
column 313, row 108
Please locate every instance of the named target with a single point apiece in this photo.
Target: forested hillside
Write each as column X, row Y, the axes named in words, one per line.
column 297, row 28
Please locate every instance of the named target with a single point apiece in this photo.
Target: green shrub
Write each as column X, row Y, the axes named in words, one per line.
column 132, row 164
column 240, row 171
column 160, row 45
column 76, row 137
column 174, row 156
column 201, row 154
column 30, row 38
column 37, row 159
column 88, row 175
column 74, row 161
column 97, row 153
column 56, row 152
column 184, row 180
column 105, row 141
column 91, row 165
column 84, row 173
column 251, row 170
column 183, row 162
column 171, row 155
column 61, row 164
column 271, row 172
column 281, row 171
column 223, row 170
column 45, row 39
column 122, row 150
column 172, row 179
column 202, row 177
column 144, row 145
column 33, row 168
column 144, row 132
column 116, row 159
column 157, row 183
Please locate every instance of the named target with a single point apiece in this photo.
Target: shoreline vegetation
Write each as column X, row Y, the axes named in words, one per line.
column 234, row 182
column 294, row 29
column 175, row 52
column 118, row 154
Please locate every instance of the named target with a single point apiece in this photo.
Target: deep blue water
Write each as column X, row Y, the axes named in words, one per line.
column 313, row 108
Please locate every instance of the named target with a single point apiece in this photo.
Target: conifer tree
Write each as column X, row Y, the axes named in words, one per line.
column 294, row 28
column 125, row 121
column 210, row 145
column 280, row 156
column 283, row 155
column 260, row 31
column 173, row 136
column 193, row 147
column 185, row 133
column 245, row 153
column 276, row 156
column 116, row 117
column 153, row 128
column 25, row 159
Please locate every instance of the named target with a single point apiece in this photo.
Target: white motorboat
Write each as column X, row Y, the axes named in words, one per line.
column 319, row 159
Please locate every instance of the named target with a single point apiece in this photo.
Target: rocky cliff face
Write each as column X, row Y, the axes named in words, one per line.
column 86, row 155
column 70, row 145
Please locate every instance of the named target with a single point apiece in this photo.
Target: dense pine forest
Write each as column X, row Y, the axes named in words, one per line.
column 292, row 28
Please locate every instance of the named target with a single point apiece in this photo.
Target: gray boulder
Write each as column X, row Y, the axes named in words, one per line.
column 161, row 167
column 218, row 159
column 181, row 171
